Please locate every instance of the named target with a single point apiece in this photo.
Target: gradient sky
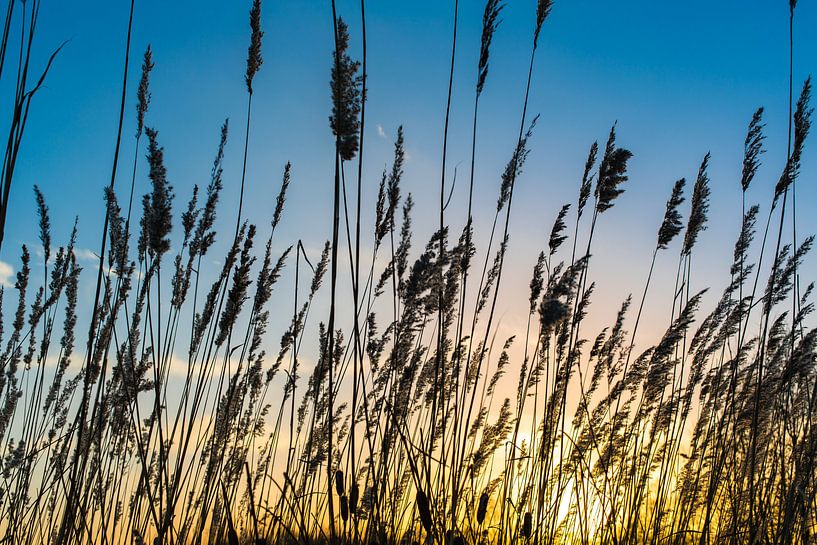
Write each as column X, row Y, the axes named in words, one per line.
column 681, row 79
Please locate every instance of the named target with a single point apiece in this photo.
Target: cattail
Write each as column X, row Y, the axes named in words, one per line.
column 354, row 495
column 339, row 488
column 527, row 525
column 143, row 93
column 482, row 508
column 671, row 225
column 346, row 96
column 344, row 508
column 699, row 208
column 490, row 22
column 254, row 59
column 424, row 510
column 612, row 173
column 753, row 147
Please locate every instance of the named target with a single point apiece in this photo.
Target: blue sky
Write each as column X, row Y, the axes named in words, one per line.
column 681, row 79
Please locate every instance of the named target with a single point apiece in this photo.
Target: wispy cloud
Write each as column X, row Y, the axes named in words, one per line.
column 380, row 132
column 6, row 273
column 84, row 254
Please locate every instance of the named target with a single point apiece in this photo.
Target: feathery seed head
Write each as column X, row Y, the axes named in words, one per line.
column 204, row 235
column 543, row 8
column 802, row 124
column 612, row 173
column 587, row 178
column 279, row 202
column 320, row 269
column 490, row 22
column 551, row 311
column 117, row 256
column 752, row 148
column 514, row 167
column 556, row 236
column 158, row 205
column 189, row 216
column 671, row 225
column 393, row 185
column 699, row 208
column 254, row 58
column 346, row 96
column 143, row 93
column 537, row 282
column 237, row 294
column 45, row 223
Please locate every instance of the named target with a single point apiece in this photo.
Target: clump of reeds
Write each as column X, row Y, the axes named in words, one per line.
column 706, row 433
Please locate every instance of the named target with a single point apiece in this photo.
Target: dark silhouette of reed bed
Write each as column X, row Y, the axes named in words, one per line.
column 407, row 420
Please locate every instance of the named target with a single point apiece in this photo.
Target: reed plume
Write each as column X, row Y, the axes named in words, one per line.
column 143, row 92
column 346, row 96
column 254, row 57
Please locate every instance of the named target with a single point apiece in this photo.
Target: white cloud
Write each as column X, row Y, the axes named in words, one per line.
column 84, row 254
column 6, row 274
column 380, row 132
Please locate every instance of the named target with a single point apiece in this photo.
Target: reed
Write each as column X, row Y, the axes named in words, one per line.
column 179, row 420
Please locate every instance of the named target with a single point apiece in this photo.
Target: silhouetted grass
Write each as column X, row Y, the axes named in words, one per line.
column 180, row 423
